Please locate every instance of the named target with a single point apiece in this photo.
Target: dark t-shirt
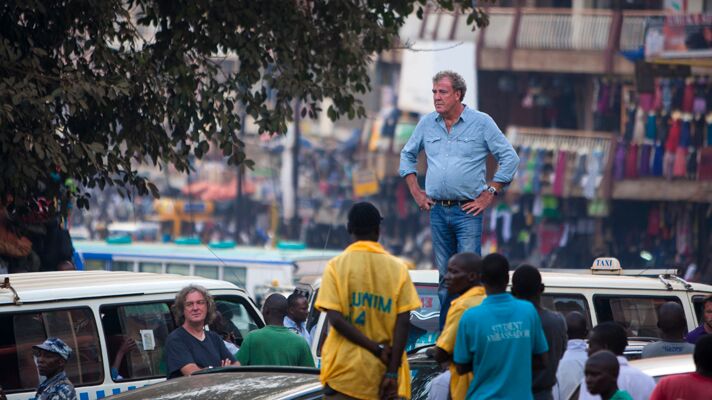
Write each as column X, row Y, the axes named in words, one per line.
column 694, row 335
column 182, row 349
column 555, row 330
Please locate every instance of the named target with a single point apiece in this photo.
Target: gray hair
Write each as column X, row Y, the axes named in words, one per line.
column 179, row 304
column 458, row 82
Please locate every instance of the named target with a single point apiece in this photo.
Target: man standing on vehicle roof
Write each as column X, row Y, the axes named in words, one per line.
column 51, row 356
column 190, row 347
column 706, row 328
column 367, row 295
column 457, row 141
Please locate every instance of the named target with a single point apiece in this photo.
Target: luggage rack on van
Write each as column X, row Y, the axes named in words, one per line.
column 611, row 266
column 6, row 285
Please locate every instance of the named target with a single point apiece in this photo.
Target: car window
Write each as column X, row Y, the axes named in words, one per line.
column 239, row 316
column 135, row 337
column 565, row 303
column 637, row 314
column 20, row 331
column 698, row 302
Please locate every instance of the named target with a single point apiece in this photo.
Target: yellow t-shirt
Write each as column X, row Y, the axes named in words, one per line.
column 370, row 288
column 471, row 298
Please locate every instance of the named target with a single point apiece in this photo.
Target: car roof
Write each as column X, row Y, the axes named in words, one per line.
column 66, row 285
column 585, row 279
column 664, row 366
column 200, row 253
column 252, row 383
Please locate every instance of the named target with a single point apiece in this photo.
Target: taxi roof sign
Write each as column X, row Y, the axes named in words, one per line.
column 606, row 265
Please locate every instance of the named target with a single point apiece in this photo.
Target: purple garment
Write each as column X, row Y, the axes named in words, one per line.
column 694, row 335
column 658, row 160
column 619, row 162
column 602, row 104
column 645, row 100
column 645, row 151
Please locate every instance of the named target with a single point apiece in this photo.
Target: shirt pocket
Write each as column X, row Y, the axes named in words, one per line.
column 433, row 145
column 468, row 145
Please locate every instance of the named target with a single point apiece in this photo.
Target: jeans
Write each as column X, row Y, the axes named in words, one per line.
column 454, row 231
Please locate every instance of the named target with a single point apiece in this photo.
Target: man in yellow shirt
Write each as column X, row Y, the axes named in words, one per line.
column 367, row 295
column 462, row 279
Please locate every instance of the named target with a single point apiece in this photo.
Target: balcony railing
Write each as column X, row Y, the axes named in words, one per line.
column 553, row 29
column 545, row 29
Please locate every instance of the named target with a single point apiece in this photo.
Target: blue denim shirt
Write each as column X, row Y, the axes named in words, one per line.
column 457, row 161
column 299, row 329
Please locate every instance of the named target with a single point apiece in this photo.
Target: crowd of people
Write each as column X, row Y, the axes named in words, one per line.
column 494, row 344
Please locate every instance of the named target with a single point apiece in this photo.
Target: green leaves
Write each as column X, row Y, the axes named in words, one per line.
column 90, row 93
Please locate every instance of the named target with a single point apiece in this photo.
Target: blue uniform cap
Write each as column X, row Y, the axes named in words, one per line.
column 55, row 345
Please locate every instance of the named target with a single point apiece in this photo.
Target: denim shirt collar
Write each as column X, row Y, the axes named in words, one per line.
column 462, row 118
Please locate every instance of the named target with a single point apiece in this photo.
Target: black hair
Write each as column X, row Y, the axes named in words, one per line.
column 706, row 300
column 363, row 219
column 576, row 326
column 607, row 360
column 495, row 270
column 611, row 336
column 277, row 304
column 703, row 354
column 671, row 318
column 471, row 262
column 292, row 298
column 526, row 281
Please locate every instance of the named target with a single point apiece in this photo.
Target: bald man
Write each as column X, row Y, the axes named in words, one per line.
column 570, row 371
column 275, row 344
column 601, row 371
column 673, row 326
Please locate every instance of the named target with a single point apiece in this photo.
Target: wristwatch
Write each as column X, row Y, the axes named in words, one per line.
column 492, row 190
column 379, row 350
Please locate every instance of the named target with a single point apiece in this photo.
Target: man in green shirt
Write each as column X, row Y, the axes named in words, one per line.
column 275, row 344
column 601, row 371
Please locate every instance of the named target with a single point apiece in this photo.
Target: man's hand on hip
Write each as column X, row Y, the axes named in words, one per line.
column 476, row 206
column 424, row 202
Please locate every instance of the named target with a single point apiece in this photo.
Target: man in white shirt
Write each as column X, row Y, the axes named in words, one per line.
column 570, row 371
column 611, row 336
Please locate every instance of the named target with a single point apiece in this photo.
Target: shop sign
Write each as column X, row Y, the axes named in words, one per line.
column 365, row 183
column 679, row 37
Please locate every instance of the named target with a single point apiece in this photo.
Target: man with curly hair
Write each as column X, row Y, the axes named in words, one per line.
column 190, row 347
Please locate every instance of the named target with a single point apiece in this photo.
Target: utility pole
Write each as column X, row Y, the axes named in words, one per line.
column 239, row 199
column 294, row 228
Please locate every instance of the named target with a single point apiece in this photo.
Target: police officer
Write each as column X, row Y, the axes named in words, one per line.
column 51, row 357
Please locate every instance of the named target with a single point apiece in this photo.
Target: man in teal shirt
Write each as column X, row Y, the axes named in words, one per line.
column 500, row 340
column 275, row 344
